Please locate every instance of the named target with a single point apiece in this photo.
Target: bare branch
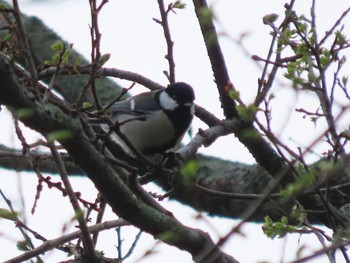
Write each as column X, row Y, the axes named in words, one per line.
column 207, row 137
column 170, row 44
column 24, row 40
column 102, row 174
column 53, row 243
column 20, row 224
column 110, row 72
column 216, row 57
column 264, row 86
column 87, row 241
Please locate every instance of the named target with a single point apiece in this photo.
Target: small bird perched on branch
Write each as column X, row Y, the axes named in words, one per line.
column 152, row 122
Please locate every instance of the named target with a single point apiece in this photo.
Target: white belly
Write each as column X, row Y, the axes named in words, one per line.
column 154, row 132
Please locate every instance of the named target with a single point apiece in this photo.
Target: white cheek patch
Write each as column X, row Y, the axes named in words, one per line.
column 132, row 104
column 192, row 109
column 166, row 102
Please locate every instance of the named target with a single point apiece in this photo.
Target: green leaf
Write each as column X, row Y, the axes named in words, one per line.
column 23, row 113
column 7, row 214
column 251, row 134
column 312, row 77
column 292, row 68
column 179, row 5
column 234, row 94
column 103, row 59
column 3, row 6
column 55, row 58
column 59, row 135
column 325, row 58
column 284, row 193
column 345, row 134
column 210, row 38
column 188, row 171
column 270, row 19
column 48, row 62
column 247, row 113
column 168, row 236
column 206, row 15
column 7, row 37
column 340, row 38
column 65, row 57
column 78, row 61
column 344, row 80
column 303, row 50
column 272, row 96
column 79, row 215
column 86, row 104
column 302, row 182
column 23, row 245
column 299, row 82
column 57, row 46
column 286, row 36
column 298, row 214
column 277, row 229
column 342, row 60
column 302, row 27
column 284, row 220
column 268, row 220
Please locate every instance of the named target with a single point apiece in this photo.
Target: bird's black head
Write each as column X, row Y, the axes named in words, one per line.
column 181, row 92
column 177, row 103
column 176, row 95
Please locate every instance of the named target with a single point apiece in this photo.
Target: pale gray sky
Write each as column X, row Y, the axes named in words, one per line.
column 136, row 44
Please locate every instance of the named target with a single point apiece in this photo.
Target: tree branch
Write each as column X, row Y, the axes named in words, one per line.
column 234, row 177
column 15, row 160
column 216, row 57
column 53, row 243
column 40, row 40
column 87, row 241
column 24, row 41
column 49, row 118
column 170, row 44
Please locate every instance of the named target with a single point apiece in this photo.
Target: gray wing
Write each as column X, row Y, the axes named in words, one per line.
column 138, row 105
column 142, row 103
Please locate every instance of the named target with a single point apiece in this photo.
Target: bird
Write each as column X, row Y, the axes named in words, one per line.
column 153, row 122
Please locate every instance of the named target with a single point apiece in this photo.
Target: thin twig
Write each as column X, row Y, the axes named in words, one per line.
column 52, row 243
column 334, row 27
column 170, row 44
column 104, row 72
column 249, row 212
column 122, row 93
column 20, row 226
column 88, row 244
column 216, row 56
column 265, row 86
column 236, row 196
column 319, row 236
column 103, row 205
column 133, row 245
column 95, row 52
column 200, row 112
column 322, row 251
column 119, row 242
column 27, row 51
column 207, row 137
column 141, row 193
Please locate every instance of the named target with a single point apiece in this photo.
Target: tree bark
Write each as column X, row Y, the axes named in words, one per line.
column 47, row 118
column 241, row 183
